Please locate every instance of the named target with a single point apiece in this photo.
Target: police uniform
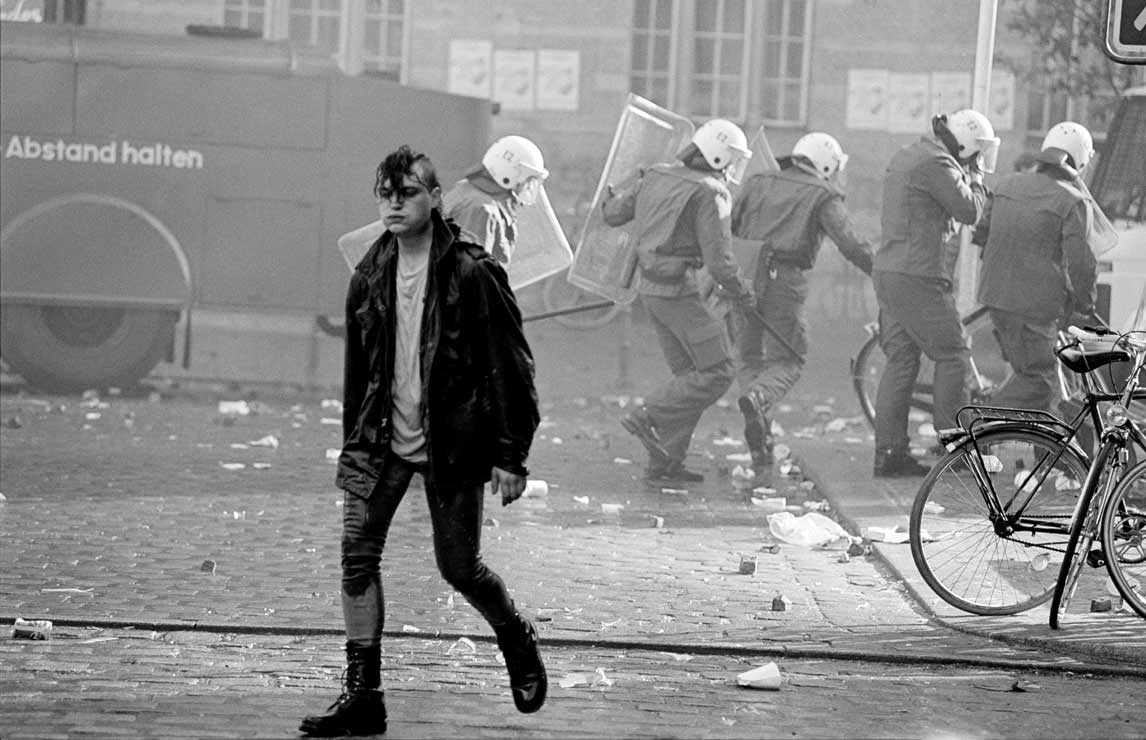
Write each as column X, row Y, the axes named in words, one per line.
column 486, row 213
column 926, row 194
column 789, row 212
column 681, row 223
column 1038, row 270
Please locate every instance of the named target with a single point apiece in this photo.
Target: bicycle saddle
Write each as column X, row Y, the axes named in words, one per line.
column 1083, row 354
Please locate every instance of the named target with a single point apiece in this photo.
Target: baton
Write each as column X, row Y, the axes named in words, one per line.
column 564, row 311
column 775, row 334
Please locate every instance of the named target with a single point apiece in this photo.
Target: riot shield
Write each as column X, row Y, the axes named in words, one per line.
column 541, row 250
column 605, row 262
column 763, row 160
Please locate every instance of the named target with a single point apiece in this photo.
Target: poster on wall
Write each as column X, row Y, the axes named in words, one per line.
column 558, row 75
column 908, row 103
column 470, row 67
column 950, row 91
column 1002, row 112
column 513, row 78
column 867, row 106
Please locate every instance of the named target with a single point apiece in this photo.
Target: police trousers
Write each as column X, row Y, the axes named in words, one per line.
column 763, row 363
column 917, row 316
column 1028, row 346
column 696, row 347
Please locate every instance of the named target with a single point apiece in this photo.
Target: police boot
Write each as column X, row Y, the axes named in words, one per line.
column 360, row 709
column 757, row 429
column 517, row 639
column 891, row 463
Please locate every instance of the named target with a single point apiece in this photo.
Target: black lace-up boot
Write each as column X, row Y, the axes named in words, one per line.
column 517, row 639
column 360, row 709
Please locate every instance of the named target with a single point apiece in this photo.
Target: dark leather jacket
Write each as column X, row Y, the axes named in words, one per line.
column 479, row 403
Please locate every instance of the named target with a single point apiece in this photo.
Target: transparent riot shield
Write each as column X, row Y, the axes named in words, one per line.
column 542, row 249
column 605, row 262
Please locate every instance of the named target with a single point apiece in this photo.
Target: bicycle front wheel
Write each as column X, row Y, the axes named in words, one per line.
column 1083, row 531
column 991, row 518
column 1123, row 532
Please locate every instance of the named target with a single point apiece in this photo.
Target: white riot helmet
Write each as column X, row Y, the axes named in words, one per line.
column 1072, row 138
column 823, row 151
column 724, row 146
column 515, row 163
column 974, row 138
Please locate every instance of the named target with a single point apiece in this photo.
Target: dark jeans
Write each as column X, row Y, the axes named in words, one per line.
column 456, row 517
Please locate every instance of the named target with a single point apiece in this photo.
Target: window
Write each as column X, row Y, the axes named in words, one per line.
column 249, row 14
column 43, row 11
column 363, row 35
column 738, row 59
column 384, row 44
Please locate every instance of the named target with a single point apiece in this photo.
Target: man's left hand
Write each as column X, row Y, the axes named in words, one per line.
column 510, row 484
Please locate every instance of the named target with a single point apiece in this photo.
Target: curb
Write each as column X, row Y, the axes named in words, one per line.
column 792, row 653
column 1134, row 665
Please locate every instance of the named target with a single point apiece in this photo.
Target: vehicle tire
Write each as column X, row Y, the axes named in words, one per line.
column 65, row 349
column 963, row 556
column 1123, row 532
column 1083, row 531
column 867, row 369
column 558, row 293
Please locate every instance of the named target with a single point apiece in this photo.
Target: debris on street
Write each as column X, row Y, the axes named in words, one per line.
column 31, row 629
column 766, row 677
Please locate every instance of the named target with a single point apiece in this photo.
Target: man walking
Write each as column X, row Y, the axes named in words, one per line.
column 438, row 382
column 788, row 212
column 681, row 216
column 931, row 186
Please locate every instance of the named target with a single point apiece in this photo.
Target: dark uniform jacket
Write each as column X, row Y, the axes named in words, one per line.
column 1037, row 261
column 925, row 194
column 681, row 224
column 479, row 404
column 789, row 212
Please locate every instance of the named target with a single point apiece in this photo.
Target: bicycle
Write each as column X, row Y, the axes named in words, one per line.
column 995, row 511
column 1112, row 506
column 868, row 364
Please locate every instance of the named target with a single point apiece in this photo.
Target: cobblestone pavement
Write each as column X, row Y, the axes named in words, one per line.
column 220, row 547
column 128, row 684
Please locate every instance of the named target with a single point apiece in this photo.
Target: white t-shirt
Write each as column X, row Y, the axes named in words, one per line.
column 409, row 438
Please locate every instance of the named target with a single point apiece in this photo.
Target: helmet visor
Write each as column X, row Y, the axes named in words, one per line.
column 526, row 192
column 988, row 153
column 736, row 169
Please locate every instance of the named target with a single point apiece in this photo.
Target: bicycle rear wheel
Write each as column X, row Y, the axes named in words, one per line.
column 997, row 557
column 1123, row 532
column 1083, row 531
column 867, row 369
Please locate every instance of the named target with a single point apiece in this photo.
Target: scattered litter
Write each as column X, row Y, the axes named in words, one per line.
column 742, row 477
column 3, row 497
column 739, row 457
column 92, row 640
column 330, row 421
column 927, row 429
column 268, row 441
column 1016, row 686
column 239, row 446
column 13, row 422
column 535, row 489
column 31, row 629
column 489, row 521
column 816, row 505
column 763, row 491
column 332, row 454
column 233, row 465
column 658, row 522
column 896, row 535
column 208, row 566
column 727, row 442
column 775, row 503
column 807, row 485
column 92, row 415
column 1101, row 605
column 557, row 441
column 410, row 628
column 570, row 680
column 583, row 500
column 1064, row 482
column 600, row 679
column 333, row 404
column 844, row 558
column 836, row 425
column 771, row 549
column 765, row 677
column 781, row 451
column 810, row 529
column 788, row 469
column 780, row 603
column 675, row 491
column 855, row 549
column 612, row 508
column 261, row 466
column 235, row 408
column 66, row 590
column 747, row 564
column 462, row 645
column 622, row 461
column 933, row 508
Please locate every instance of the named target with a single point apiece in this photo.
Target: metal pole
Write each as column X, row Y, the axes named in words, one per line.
column 968, row 272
